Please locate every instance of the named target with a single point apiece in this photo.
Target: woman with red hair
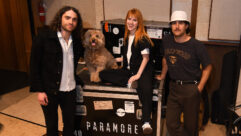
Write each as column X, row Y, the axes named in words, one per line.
column 137, row 64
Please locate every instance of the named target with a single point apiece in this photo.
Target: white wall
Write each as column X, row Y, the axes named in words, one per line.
column 156, row 10
column 203, row 17
column 94, row 11
column 99, row 13
column 90, row 10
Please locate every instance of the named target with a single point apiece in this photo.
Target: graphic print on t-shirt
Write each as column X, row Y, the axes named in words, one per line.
column 173, row 59
column 174, row 53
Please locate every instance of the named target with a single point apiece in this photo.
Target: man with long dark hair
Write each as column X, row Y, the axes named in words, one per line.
column 183, row 58
column 54, row 58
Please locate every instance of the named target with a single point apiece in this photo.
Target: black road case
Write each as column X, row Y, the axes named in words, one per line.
column 113, row 111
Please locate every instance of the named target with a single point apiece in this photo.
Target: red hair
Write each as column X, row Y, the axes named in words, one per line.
column 140, row 32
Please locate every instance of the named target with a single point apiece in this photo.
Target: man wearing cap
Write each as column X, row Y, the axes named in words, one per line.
column 189, row 66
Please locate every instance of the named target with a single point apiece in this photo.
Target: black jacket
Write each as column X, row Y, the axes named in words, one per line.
column 46, row 62
column 136, row 56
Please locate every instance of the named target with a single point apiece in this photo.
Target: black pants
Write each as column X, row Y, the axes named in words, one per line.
column 66, row 100
column 186, row 99
column 120, row 77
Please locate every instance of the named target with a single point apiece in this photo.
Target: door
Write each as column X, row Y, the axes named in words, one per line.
column 15, row 35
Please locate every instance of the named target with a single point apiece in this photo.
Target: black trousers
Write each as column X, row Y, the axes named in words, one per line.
column 66, row 101
column 120, row 77
column 186, row 99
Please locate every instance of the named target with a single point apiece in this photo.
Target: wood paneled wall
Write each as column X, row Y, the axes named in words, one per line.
column 216, row 53
column 7, row 52
column 35, row 13
column 15, row 35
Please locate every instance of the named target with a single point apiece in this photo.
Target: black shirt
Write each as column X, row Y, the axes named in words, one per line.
column 184, row 59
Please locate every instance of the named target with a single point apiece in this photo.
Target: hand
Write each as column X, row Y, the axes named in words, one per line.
column 158, row 77
column 133, row 78
column 200, row 88
column 120, row 59
column 42, row 98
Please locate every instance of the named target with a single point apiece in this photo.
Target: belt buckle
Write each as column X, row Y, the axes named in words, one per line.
column 179, row 82
column 195, row 81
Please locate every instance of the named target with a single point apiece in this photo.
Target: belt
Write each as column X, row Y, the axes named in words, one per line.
column 182, row 82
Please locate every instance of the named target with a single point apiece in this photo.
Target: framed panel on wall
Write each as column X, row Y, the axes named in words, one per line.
column 225, row 20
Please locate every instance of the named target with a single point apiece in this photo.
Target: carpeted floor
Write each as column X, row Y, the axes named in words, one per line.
column 21, row 114
column 16, row 127
column 12, row 80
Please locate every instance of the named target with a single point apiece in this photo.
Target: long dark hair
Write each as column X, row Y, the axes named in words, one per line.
column 55, row 25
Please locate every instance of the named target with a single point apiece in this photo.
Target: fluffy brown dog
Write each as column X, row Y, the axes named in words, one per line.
column 96, row 56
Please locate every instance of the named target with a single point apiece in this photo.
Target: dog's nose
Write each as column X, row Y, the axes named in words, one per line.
column 93, row 40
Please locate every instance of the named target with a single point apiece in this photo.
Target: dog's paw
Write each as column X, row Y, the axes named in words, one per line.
column 114, row 66
column 96, row 79
column 92, row 77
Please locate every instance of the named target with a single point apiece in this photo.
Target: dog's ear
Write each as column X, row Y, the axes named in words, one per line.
column 86, row 38
column 102, row 36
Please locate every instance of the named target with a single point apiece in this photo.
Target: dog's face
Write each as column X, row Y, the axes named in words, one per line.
column 94, row 39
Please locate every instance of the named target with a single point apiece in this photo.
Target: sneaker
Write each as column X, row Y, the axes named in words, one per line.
column 147, row 130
